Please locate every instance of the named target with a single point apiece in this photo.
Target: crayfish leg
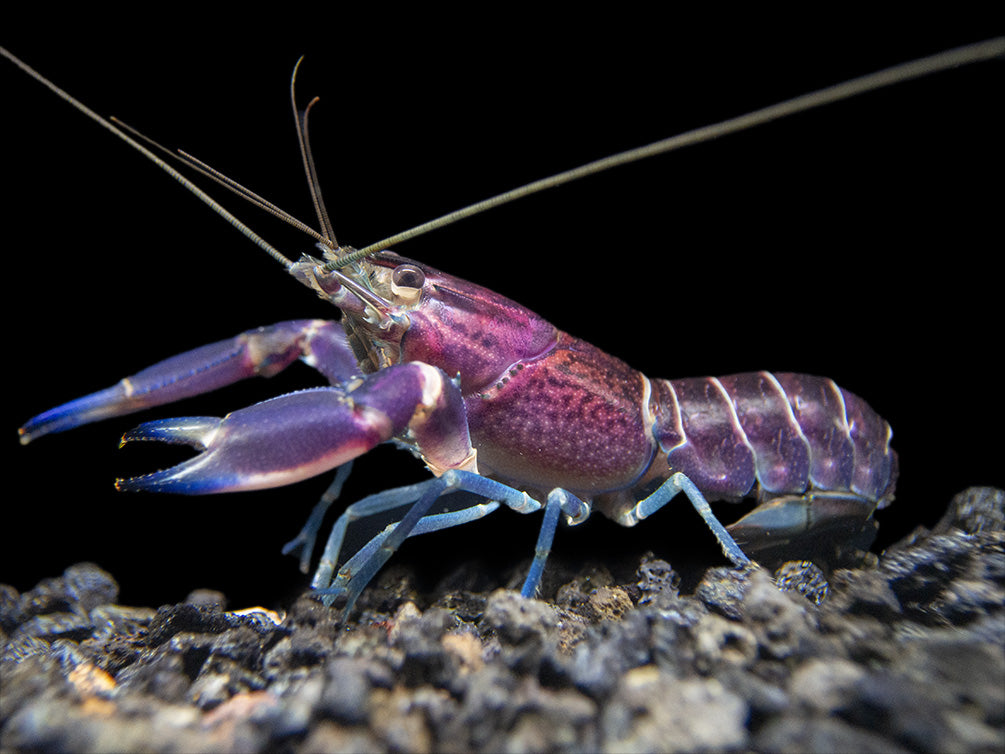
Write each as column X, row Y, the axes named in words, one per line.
column 356, row 573
column 305, row 540
column 576, row 511
column 348, row 592
column 371, row 505
column 679, row 482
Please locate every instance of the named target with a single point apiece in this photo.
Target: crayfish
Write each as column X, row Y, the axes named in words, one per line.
column 498, row 402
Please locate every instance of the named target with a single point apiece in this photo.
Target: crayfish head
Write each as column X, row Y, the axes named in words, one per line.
column 397, row 310
column 463, row 328
column 373, row 323
column 353, row 290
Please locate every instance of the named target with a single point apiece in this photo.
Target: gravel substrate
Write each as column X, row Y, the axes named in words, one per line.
column 903, row 655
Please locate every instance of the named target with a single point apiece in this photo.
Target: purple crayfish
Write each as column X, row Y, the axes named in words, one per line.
column 500, row 403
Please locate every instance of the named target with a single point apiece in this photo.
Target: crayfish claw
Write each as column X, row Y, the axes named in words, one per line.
column 194, row 431
column 276, row 442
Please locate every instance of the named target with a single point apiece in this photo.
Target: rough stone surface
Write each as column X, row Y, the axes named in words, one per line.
column 903, row 655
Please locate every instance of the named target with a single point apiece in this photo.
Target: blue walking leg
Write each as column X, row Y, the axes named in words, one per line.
column 680, row 483
column 304, row 541
column 350, row 581
column 559, row 501
column 370, row 505
column 425, row 525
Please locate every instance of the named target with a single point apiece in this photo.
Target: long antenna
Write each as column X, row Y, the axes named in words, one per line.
column 974, row 53
column 228, row 183
column 106, row 124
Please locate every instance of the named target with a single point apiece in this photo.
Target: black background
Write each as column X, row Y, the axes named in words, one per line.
column 857, row 242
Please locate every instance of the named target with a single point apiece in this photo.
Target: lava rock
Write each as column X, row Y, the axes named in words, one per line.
column 903, row 653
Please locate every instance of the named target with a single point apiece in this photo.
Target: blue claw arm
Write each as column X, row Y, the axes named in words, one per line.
column 299, row 435
column 265, row 352
column 285, row 439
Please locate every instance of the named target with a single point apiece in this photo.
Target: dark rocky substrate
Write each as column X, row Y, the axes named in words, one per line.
column 905, row 654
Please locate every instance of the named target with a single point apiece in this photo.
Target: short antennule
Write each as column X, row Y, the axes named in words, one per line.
column 310, row 169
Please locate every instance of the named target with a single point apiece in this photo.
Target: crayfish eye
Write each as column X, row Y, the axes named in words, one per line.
column 407, row 281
